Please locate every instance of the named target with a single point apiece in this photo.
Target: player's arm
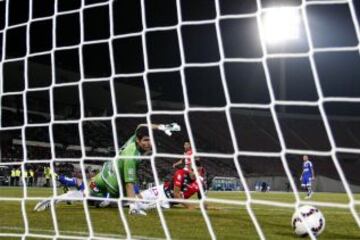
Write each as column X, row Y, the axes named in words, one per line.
column 166, row 128
column 152, row 126
column 129, row 172
column 178, row 194
column 130, row 190
column 177, row 163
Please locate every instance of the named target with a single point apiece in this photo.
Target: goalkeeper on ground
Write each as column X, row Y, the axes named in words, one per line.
column 105, row 183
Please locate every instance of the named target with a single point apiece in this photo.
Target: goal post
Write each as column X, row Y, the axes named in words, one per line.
column 250, row 84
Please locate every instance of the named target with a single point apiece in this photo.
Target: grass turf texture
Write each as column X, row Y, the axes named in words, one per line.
column 228, row 221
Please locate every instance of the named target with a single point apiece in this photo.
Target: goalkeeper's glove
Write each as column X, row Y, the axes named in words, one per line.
column 169, row 128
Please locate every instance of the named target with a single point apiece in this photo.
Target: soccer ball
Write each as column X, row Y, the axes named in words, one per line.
column 312, row 218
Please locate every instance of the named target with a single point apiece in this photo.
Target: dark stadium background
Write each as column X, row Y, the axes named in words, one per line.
column 291, row 80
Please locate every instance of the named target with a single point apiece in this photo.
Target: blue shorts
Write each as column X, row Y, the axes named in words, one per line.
column 71, row 182
column 306, row 181
column 68, row 181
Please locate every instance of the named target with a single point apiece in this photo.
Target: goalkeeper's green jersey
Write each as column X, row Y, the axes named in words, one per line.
column 106, row 180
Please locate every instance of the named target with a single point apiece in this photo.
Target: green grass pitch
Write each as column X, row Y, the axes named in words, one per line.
column 228, row 221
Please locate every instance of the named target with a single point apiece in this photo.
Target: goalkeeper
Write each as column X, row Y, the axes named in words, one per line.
column 105, row 183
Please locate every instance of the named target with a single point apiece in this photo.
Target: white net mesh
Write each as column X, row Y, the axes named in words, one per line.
column 115, row 69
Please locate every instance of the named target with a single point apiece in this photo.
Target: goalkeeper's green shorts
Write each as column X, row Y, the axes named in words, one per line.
column 98, row 187
column 106, row 181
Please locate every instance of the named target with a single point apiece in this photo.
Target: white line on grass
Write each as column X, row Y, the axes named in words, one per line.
column 75, row 233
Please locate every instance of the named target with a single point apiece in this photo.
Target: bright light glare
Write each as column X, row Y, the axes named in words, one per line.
column 281, row 25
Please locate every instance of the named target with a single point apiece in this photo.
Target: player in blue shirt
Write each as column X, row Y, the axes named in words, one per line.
column 307, row 176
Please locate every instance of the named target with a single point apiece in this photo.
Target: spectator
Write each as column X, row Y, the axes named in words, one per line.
column 257, row 186
column 263, row 186
column 12, row 177
column 17, row 176
column 287, row 185
column 31, row 178
column 26, row 176
column 47, row 175
column 36, row 175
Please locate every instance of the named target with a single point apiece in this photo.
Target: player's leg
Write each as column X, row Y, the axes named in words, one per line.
column 309, row 188
column 76, row 195
column 306, row 184
column 97, row 188
column 70, row 182
column 42, row 205
column 303, row 182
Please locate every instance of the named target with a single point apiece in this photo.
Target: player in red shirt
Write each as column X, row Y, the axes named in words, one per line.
column 187, row 160
column 183, row 185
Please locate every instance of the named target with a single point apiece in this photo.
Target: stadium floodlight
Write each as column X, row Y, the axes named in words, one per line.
column 281, row 25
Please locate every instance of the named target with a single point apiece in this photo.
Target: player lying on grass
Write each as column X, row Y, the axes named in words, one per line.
column 181, row 186
column 186, row 164
column 105, row 184
column 70, row 195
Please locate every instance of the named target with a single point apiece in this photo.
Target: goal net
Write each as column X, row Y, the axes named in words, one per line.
column 253, row 86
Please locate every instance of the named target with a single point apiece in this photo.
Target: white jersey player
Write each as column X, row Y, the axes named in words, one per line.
column 153, row 195
column 150, row 196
